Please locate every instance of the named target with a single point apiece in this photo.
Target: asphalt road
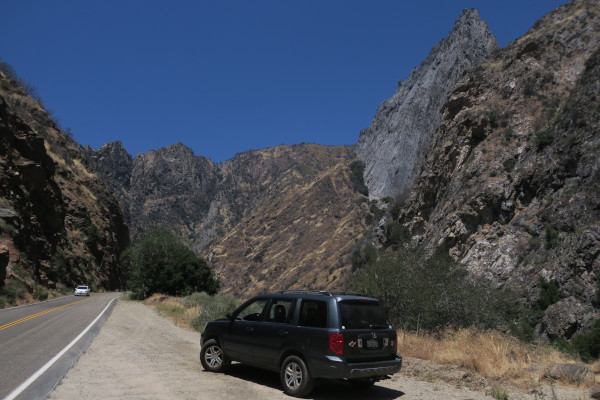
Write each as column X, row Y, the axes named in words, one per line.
column 32, row 335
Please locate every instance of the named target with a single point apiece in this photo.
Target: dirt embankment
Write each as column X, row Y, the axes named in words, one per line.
column 140, row 355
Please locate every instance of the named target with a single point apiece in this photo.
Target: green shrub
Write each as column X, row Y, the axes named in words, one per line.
column 8, row 228
column 549, row 294
column 363, row 256
column 528, row 318
column 93, row 238
column 543, row 138
column 40, row 293
column 160, row 263
column 396, row 233
column 509, row 164
column 14, row 290
column 3, row 302
column 508, row 134
column 493, row 116
column 499, row 394
column 551, row 238
column 587, row 345
column 211, row 307
column 522, row 330
column 430, row 293
column 357, row 169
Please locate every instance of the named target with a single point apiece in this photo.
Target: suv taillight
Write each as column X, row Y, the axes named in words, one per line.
column 336, row 343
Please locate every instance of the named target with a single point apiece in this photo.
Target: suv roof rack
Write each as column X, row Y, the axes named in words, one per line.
column 321, row 292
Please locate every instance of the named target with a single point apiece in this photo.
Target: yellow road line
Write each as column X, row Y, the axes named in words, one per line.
column 37, row 315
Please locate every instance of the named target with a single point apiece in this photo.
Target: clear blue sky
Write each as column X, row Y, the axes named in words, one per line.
column 226, row 76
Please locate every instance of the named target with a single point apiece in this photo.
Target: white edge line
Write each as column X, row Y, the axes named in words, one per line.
column 40, row 371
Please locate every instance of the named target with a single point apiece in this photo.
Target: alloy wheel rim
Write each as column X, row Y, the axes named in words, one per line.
column 293, row 375
column 213, row 356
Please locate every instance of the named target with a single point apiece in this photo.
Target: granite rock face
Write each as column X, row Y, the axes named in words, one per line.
column 395, row 144
column 511, row 182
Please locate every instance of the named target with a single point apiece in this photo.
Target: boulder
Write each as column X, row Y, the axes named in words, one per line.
column 563, row 318
column 595, row 391
column 572, row 373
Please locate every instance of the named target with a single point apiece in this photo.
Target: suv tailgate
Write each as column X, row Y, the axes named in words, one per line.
column 368, row 334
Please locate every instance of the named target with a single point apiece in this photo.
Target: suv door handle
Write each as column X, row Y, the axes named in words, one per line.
column 282, row 333
column 249, row 329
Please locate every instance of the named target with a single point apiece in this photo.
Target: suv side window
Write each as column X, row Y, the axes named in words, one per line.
column 252, row 311
column 280, row 311
column 313, row 313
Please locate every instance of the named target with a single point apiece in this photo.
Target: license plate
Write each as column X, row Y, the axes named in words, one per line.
column 372, row 344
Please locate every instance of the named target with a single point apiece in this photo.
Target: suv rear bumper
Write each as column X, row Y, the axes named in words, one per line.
column 331, row 367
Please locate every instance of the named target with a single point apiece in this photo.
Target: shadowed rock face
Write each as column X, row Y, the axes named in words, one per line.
column 59, row 225
column 395, row 144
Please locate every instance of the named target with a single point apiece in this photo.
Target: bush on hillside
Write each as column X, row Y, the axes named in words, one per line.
column 587, row 345
column 430, row 293
column 160, row 263
column 357, row 169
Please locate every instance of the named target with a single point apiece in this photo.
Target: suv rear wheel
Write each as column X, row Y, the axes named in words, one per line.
column 295, row 378
column 212, row 357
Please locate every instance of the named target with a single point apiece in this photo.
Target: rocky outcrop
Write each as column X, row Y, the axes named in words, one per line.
column 510, row 185
column 574, row 374
column 169, row 186
column 59, row 224
column 395, row 144
column 595, row 391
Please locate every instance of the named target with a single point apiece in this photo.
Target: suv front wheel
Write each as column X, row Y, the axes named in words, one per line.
column 212, row 357
column 295, row 378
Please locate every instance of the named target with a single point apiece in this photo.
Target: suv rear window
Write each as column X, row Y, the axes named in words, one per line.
column 363, row 315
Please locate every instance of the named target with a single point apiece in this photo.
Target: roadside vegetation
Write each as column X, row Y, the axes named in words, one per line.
column 195, row 310
column 159, row 262
column 445, row 315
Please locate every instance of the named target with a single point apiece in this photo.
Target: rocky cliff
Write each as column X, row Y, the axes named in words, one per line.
column 59, row 225
column 395, row 144
column 511, row 184
column 266, row 219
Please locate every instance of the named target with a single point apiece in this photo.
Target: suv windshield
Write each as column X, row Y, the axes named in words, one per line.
column 363, row 315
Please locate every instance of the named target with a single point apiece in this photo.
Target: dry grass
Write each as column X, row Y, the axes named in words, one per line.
column 172, row 308
column 490, row 354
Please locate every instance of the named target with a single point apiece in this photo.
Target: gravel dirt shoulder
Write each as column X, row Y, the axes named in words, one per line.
column 139, row 354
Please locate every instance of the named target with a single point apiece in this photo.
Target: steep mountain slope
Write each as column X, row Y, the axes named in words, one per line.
column 271, row 218
column 511, row 185
column 297, row 235
column 395, row 144
column 59, row 225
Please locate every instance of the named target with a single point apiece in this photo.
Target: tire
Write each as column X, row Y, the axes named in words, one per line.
column 295, row 379
column 213, row 357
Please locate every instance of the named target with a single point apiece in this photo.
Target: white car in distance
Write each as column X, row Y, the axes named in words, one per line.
column 82, row 291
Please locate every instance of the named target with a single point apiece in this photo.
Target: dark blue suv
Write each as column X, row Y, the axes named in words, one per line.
column 306, row 335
